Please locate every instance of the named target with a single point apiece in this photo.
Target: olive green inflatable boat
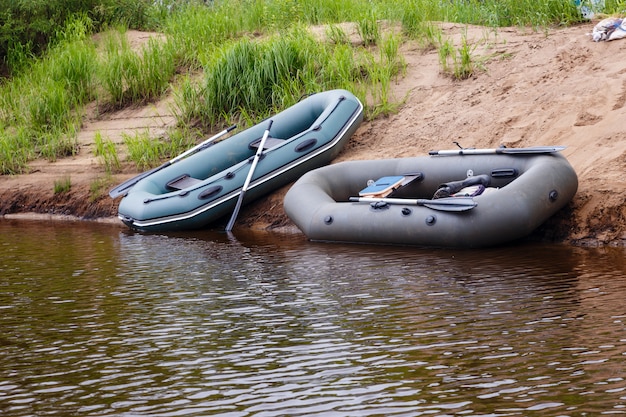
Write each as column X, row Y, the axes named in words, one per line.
column 459, row 198
column 193, row 192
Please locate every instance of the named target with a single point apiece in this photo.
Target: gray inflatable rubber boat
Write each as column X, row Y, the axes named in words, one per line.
column 459, row 198
column 204, row 187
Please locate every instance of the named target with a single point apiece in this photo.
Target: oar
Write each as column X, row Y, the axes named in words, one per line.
column 497, row 151
column 255, row 161
column 123, row 187
column 441, row 204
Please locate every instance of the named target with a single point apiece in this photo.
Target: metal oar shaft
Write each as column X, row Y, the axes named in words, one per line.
column 496, row 151
column 442, row 204
column 246, row 183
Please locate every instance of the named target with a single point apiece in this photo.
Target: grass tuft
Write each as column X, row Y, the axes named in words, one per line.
column 106, row 151
column 62, row 185
column 130, row 76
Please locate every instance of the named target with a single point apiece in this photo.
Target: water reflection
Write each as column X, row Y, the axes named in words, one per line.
column 103, row 321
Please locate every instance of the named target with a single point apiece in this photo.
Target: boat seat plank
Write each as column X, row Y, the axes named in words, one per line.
column 184, row 181
column 382, row 186
column 404, row 185
column 270, row 142
column 388, row 186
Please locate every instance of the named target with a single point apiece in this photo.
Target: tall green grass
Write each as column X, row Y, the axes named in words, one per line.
column 369, row 29
column 42, row 108
column 62, row 185
column 146, row 152
column 195, row 29
column 130, row 76
column 15, row 151
column 257, row 57
column 248, row 79
column 46, row 98
column 257, row 77
column 107, row 153
column 457, row 62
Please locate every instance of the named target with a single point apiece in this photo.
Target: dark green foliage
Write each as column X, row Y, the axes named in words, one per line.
column 28, row 26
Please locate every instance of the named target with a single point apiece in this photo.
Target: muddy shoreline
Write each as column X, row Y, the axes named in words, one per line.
column 531, row 89
column 266, row 214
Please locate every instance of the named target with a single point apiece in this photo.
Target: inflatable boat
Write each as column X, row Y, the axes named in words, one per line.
column 458, row 198
column 195, row 191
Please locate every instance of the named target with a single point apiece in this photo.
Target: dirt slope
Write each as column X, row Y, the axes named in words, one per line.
column 547, row 88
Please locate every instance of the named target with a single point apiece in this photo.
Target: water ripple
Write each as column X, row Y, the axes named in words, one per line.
column 130, row 324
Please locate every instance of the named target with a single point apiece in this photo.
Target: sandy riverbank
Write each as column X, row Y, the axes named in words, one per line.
column 556, row 88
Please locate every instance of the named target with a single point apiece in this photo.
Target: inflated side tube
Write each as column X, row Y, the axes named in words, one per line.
column 204, row 187
column 524, row 191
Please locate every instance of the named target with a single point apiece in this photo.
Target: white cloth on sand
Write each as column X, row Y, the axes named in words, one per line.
column 609, row 29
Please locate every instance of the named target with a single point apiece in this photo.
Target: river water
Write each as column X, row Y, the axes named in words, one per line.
column 97, row 320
